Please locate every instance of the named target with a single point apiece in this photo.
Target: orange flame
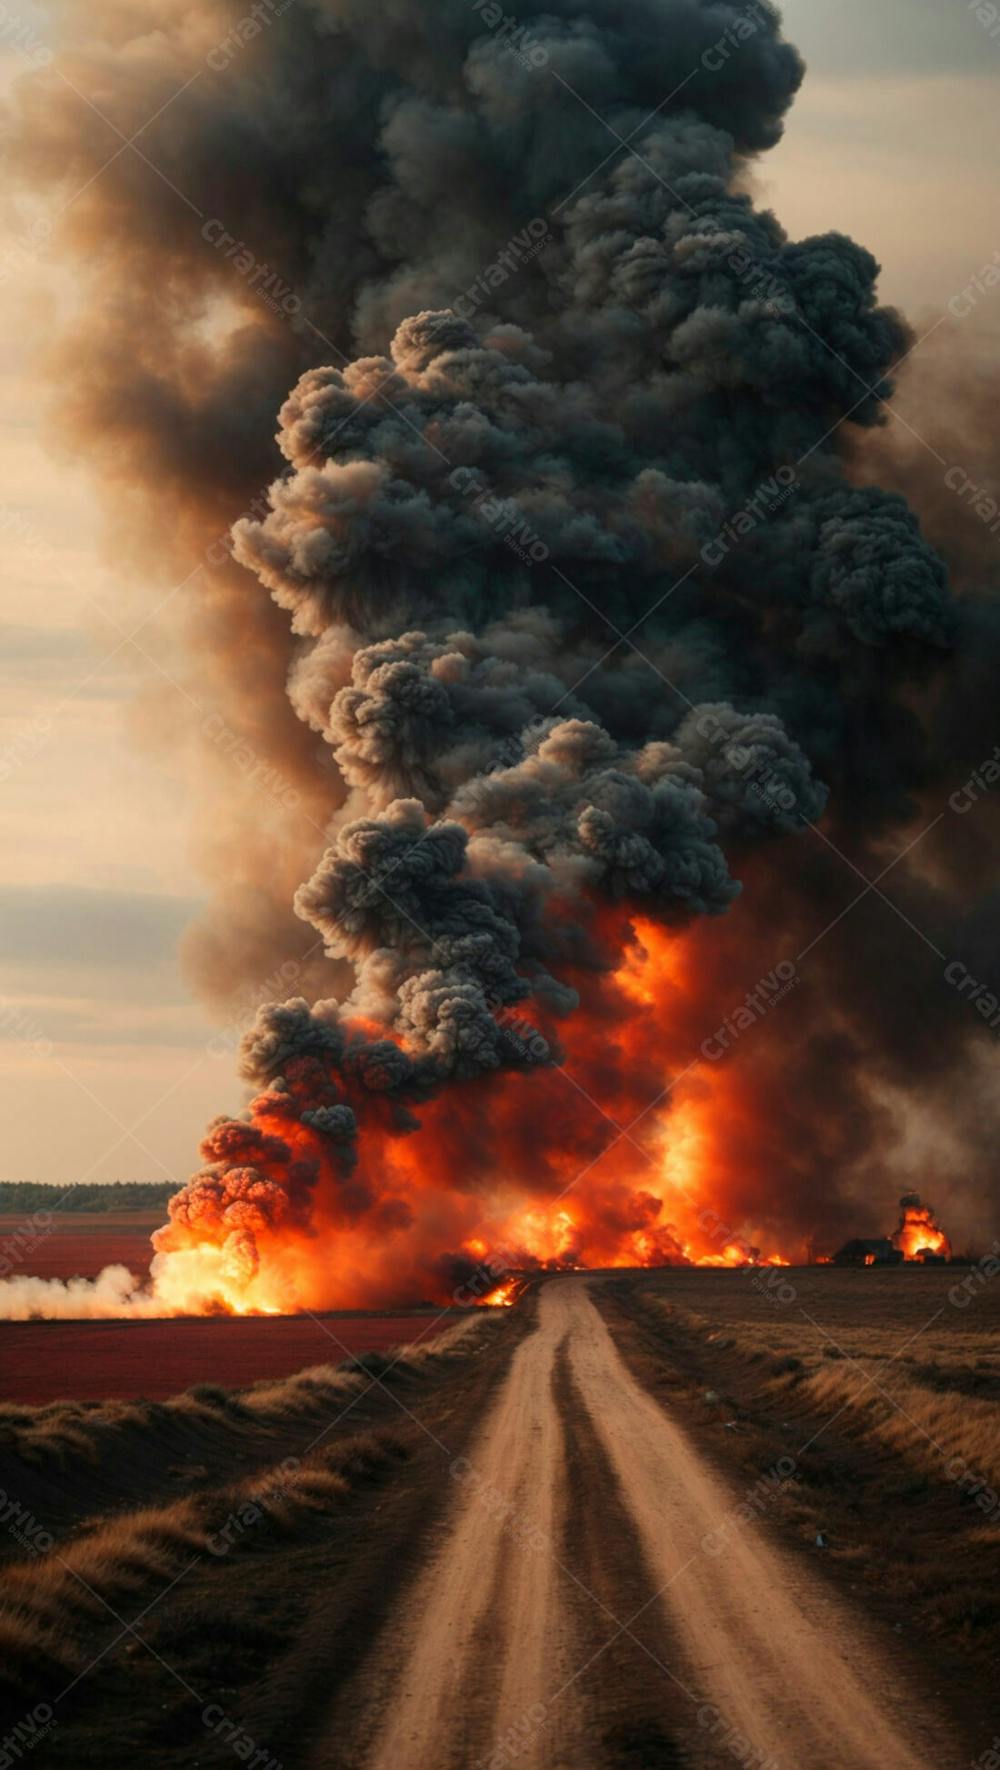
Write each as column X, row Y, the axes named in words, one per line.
column 565, row 1167
column 919, row 1232
column 505, row 1294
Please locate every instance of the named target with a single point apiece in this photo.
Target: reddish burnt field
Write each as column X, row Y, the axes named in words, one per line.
column 43, row 1361
column 77, row 1244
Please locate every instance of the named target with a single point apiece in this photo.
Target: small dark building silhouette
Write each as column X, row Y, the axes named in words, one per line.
column 879, row 1252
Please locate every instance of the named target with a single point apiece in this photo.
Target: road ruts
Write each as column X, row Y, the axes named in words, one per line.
column 502, row 1651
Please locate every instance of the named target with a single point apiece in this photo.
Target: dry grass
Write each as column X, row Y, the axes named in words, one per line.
column 67, row 1430
column 55, row 1602
column 886, row 1396
column 48, row 1605
column 887, row 1351
column 933, row 1430
column 50, row 1601
column 64, row 1431
column 306, row 1392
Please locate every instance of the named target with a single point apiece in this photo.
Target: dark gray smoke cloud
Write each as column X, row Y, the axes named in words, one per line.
column 584, row 604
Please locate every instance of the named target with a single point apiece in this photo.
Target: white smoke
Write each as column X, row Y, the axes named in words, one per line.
column 113, row 1293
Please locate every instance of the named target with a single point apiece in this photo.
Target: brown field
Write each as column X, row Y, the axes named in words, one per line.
column 892, row 1302
column 77, row 1244
column 906, row 1317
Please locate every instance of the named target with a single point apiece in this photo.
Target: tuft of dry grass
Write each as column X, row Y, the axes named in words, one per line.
column 306, row 1392
column 365, row 1453
column 932, row 1428
column 48, row 1604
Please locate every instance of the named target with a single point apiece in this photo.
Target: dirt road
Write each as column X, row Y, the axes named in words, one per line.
column 498, row 1654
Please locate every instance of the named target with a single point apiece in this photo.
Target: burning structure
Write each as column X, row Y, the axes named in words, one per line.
column 859, row 1252
column 580, row 614
column 918, row 1236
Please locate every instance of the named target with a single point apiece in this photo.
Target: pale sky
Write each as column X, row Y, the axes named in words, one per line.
column 108, row 1067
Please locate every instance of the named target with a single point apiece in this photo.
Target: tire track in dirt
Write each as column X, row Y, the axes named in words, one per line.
column 776, row 1657
column 636, row 1719
column 484, row 1637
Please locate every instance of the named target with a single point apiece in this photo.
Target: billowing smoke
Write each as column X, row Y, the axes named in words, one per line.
column 114, row 1293
column 582, row 618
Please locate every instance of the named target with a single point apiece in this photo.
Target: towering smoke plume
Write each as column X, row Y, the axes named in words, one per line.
column 583, row 621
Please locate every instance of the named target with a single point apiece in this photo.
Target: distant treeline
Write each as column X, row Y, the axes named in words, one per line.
column 117, row 1195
